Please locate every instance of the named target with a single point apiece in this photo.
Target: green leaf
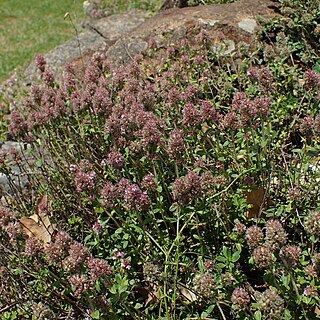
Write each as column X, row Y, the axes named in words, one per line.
column 200, row 264
column 95, row 314
column 286, row 280
column 221, row 259
column 39, row 163
column 236, row 256
column 207, row 313
column 287, row 315
column 257, row 315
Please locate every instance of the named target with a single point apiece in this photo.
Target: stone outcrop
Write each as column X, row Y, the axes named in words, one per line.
column 122, row 36
column 236, row 21
column 98, row 35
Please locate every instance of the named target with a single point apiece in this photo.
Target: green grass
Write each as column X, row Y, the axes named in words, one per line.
column 121, row 5
column 28, row 28
column 32, row 27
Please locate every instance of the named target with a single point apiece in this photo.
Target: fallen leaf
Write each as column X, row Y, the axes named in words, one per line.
column 38, row 225
column 44, row 205
column 188, row 294
column 317, row 312
column 153, row 294
column 257, row 199
column 34, row 229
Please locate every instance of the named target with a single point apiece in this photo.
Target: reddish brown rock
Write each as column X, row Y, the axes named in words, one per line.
column 235, row 21
column 122, row 36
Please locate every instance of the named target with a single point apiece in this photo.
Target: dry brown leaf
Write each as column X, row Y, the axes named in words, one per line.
column 44, row 205
column 34, row 229
column 317, row 312
column 153, row 294
column 257, row 199
column 38, row 225
column 188, row 294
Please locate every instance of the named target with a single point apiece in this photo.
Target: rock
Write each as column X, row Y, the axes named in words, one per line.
column 98, row 35
column 122, row 36
column 14, row 173
column 236, row 22
column 248, row 25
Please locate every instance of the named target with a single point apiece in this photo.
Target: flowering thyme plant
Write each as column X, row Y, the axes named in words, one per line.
column 182, row 187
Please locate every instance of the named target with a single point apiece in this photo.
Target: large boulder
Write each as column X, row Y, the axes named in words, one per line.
column 98, row 35
column 233, row 23
column 122, row 36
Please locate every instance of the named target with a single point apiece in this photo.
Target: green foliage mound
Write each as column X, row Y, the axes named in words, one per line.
column 182, row 186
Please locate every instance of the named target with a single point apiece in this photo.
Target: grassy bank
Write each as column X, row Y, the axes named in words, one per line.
column 31, row 27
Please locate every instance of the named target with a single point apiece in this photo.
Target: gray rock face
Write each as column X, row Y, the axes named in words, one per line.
column 98, row 35
column 122, row 36
column 13, row 174
column 248, row 25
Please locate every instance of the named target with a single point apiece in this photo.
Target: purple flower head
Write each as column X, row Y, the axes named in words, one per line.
column 3, row 157
column 231, row 121
column 205, row 285
column 311, row 79
column 243, row 106
column 98, row 268
column 271, row 304
column 176, row 145
column 57, row 250
column 150, row 134
column 69, row 84
column 275, row 233
column 312, row 223
column 98, row 227
column 77, row 254
column 84, row 176
column 262, row 106
column 6, row 216
column 14, row 230
column 40, row 63
column 187, row 188
column 316, row 125
column 101, row 101
column 18, row 124
column 291, row 254
column 108, row 194
column 115, row 159
column 254, row 236
column 126, row 264
column 80, row 284
column 191, row 115
column 149, row 182
column 240, row 298
column 152, row 43
column 208, row 112
column 118, row 254
column 33, row 247
column 260, row 74
column 48, row 77
column 92, row 74
column 171, row 51
column 73, row 168
column 84, row 180
column 190, row 93
column 263, row 256
column 306, row 125
column 203, row 37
